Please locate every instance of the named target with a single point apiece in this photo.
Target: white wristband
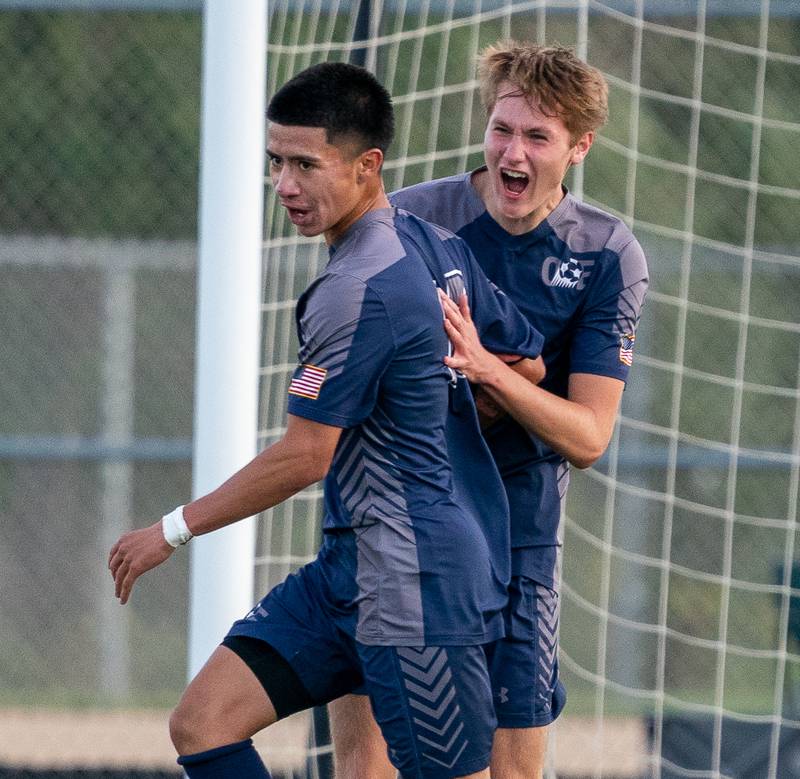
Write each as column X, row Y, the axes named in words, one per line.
column 175, row 530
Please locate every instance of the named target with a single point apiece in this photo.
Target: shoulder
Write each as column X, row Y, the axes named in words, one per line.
column 451, row 202
column 369, row 250
column 588, row 229
column 335, row 295
column 433, row 244
column 452, row 184
column 408, row 223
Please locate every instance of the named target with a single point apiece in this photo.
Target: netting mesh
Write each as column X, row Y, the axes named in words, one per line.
column 98, row 203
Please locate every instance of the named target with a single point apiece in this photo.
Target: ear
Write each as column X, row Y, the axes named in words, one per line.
column 581, row 148
column 369, row 164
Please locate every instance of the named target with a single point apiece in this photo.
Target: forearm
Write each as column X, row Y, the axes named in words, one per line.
column 579, row 428
column 299, row 459
column 572, row 429
column 270, row 478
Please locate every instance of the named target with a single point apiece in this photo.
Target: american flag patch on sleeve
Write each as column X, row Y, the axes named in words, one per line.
column 626, row 348
column 307, row 382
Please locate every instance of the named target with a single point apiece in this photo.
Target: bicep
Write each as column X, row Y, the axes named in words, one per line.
column 601, row 395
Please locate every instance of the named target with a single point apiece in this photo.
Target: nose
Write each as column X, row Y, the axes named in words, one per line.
column 285, row 184
column 514, row 149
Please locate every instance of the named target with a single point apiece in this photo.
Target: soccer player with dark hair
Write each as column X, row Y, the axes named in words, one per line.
column 410, row 581
column 580, row 277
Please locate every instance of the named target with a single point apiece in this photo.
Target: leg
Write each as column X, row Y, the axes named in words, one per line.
column 211, row 726
column 224, row 704
column 359, row 749
column 527, row 691
column 518, row 753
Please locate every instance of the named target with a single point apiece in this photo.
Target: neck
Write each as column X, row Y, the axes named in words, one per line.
column 372, row 201
column 514, row 225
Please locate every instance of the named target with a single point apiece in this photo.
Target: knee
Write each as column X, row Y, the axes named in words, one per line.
column 183, row 729
column 358, row 746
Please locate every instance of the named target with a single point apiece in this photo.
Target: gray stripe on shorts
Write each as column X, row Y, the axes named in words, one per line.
column 431, row 693
column 547, row 630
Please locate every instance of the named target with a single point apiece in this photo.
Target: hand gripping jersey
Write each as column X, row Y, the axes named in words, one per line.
column 411, row 483
column 580, row 278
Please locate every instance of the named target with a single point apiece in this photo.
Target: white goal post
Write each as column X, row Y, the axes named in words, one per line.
column 229, row 283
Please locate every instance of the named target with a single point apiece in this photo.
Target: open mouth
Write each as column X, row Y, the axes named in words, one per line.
column 295, row 214
column 514, row 181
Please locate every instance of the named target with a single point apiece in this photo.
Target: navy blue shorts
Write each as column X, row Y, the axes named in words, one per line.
column 433, row 704
column 524, row 665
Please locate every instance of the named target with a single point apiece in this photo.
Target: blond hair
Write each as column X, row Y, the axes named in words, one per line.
column 551, row 76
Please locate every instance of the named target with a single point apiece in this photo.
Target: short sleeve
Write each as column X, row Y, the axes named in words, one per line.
column 346, row 344
column 605, row 333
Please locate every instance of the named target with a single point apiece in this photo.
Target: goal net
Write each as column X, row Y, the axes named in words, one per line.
column 680, row 594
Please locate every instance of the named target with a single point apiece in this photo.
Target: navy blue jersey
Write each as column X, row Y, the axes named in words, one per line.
column 411, row 479
column 580, row 278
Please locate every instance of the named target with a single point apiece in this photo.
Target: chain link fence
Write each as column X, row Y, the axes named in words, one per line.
column 98, row 211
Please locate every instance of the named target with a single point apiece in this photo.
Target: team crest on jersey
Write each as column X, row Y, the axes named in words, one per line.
column 626, row 348
column 570, row 273
column 308, row 381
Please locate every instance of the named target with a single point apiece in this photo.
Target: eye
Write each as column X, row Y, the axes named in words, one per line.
column 304, row 165
column 274, row 162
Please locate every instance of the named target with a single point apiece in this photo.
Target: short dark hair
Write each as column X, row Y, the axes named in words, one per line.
column 346, row 100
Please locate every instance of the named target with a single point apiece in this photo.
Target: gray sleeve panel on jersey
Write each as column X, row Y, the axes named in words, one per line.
column 614, row 305
column 368, row 251
column 330, row 320
column 336, row 298
column 346, row 329
column 441, row 202
column 585, row 228
column 347, row 336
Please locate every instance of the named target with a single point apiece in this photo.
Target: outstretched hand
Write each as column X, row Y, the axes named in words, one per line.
column 469, row 357
column 136, row 553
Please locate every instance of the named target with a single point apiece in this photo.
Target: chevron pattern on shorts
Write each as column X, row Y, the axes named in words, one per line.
column 431, row 694
column 547, row 630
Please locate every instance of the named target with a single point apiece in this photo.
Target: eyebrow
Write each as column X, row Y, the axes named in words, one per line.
column 537, row 127
column 294, row 158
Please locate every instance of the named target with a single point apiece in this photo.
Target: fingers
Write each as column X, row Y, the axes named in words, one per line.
column 447, row 302
column 134, row 554
column 124, row 578
column 456, row 338
column 463, row 307
column 457, row 315
column 120, row 567
column 123, row 589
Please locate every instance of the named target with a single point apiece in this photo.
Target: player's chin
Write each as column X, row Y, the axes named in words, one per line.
column 308, row 229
